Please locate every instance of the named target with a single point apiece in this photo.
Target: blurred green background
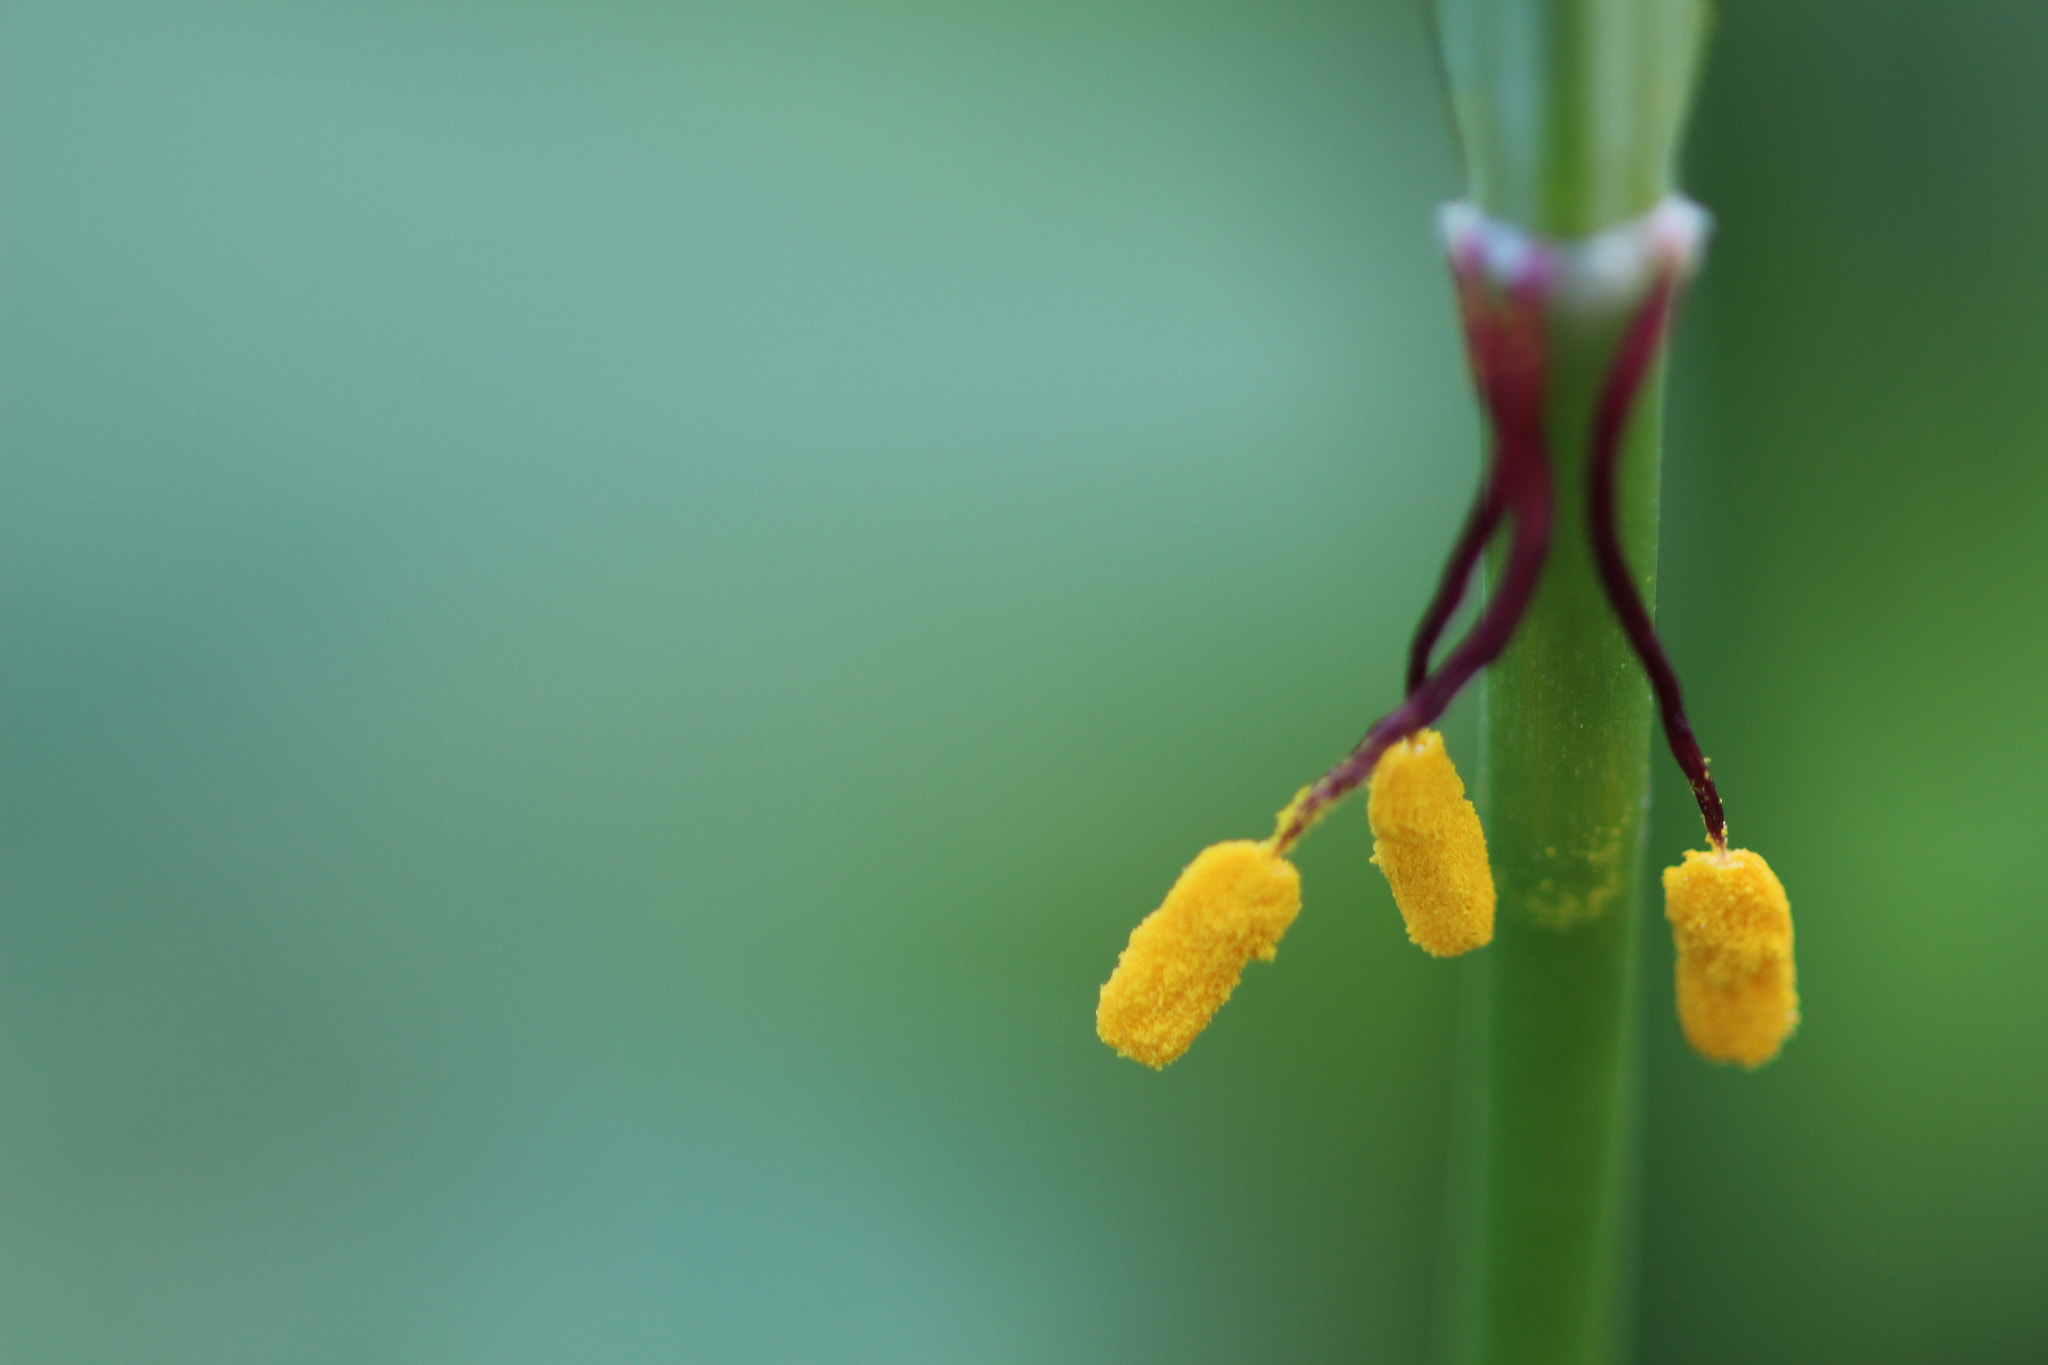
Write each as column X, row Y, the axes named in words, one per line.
column 609, row 611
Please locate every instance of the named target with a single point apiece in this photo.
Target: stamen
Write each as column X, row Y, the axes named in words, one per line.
column 1617, row 400
column 1229, row 906
column 1738, row 994
column 1510, row 364
column 1428, row 841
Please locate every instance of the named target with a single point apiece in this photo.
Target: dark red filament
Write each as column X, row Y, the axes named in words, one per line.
column 1617, row 400
column 1480, row 524
column 1506, row 339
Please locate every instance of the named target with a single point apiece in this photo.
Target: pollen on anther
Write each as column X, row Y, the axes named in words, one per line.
column 1427, row 840
column 1230, row 905
column 1737, row 992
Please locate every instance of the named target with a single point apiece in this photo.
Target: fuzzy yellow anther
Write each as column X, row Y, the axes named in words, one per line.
column 1230, row 905
column 1426, row 838
column 1733, row 928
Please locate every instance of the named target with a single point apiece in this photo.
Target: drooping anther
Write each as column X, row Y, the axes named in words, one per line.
column 1427, row 840
column 1738, row 997
column 1229, row 906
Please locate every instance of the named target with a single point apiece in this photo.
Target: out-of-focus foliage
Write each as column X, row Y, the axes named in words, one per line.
column 608, row 613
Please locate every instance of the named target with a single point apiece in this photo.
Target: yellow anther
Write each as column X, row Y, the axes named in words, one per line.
column 1733, row 927
column 1426, row 838
column 1230, row 905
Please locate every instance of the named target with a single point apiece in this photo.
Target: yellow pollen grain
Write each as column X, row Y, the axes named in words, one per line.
column 1230, row 905
column 1737, row 995
column 1427, row 840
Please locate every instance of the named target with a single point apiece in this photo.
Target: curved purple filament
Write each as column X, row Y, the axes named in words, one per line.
column 1480, row 524
column 1617, row 399
column 1509, row 362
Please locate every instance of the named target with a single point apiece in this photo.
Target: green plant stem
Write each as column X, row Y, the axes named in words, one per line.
column 1567, row 723
column 1570, row 113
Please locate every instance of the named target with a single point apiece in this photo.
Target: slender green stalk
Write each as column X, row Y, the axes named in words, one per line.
column 1570, row 113
column 1567, row 721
